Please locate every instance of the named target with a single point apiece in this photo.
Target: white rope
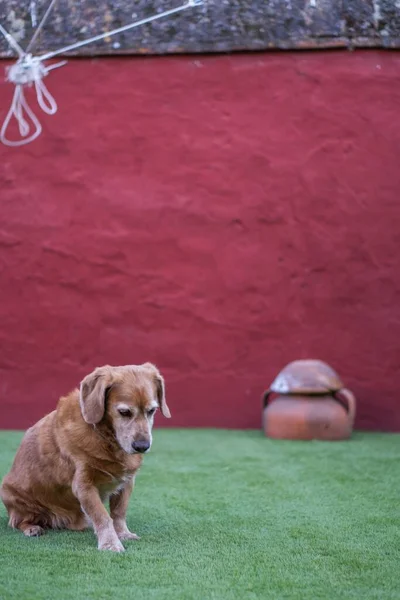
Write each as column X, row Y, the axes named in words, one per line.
column 17, row 108
column 29, row 70
column 41, row 25
column 32, row 8
column 101, row 36
column 11, row 41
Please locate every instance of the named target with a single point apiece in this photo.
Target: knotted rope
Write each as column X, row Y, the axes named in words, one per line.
column 30, row 71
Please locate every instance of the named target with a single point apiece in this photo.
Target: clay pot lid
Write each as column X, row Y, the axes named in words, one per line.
column 306, row 377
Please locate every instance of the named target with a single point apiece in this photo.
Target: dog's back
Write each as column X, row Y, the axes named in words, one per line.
column 37, row 490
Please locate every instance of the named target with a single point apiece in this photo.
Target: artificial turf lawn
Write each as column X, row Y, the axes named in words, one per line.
column 229, row 514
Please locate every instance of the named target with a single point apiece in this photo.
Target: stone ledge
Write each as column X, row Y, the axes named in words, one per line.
column 224, row 26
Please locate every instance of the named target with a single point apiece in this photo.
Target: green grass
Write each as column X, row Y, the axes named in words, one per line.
column 230, row 515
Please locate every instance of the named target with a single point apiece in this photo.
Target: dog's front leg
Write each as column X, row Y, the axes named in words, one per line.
column 118, row 507
column 92, row 506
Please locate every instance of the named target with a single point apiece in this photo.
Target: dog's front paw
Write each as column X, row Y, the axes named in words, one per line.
column 112, row 544
column 34, row 531
column 122, row 530
column 127, row 535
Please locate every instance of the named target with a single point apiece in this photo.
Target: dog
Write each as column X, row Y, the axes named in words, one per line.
column 84, row 453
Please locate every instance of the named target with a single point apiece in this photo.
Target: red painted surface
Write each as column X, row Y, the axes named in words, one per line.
column 219, row 216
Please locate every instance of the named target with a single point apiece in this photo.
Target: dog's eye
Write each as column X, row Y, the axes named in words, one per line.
column 124, row 412
column 151, row 412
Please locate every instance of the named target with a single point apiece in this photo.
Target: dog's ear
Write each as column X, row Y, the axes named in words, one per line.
column 160, row 387
column 161, row 396
column 93, row 394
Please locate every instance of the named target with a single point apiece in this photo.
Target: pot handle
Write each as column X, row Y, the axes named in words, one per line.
column 265, row 397
column 350, row 400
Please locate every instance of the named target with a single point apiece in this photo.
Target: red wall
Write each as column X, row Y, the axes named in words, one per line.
column 219, row 216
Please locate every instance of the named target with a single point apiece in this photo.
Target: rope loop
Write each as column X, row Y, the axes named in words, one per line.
column 30, row 71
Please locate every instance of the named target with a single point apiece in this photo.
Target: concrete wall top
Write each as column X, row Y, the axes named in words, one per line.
column 216, row 26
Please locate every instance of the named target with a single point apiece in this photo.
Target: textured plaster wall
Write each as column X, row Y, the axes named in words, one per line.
column 219, row 216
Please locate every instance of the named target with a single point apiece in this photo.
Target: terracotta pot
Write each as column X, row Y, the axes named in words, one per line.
column 308, row 417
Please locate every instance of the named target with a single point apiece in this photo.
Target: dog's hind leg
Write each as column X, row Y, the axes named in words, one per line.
column 30, row 529
column 21, row 515
column 28, row 524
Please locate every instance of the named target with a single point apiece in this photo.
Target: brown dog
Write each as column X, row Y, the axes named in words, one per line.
column 86, row 451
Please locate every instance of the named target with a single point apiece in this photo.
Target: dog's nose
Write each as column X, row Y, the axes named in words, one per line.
column 140, row 446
